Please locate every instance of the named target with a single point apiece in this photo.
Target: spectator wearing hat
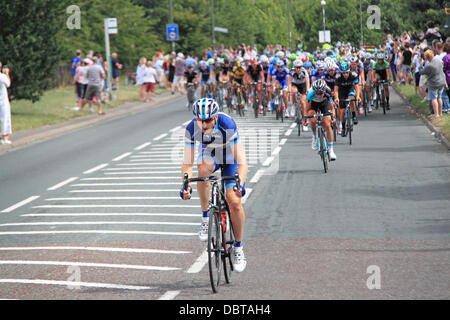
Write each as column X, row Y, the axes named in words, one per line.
column 436, row 81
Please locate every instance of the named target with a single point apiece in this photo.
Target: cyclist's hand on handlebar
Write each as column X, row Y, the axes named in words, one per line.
column 186, row 194
column 241, row 191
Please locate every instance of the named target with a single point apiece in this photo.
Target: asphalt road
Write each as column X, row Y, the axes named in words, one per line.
column 95, row 214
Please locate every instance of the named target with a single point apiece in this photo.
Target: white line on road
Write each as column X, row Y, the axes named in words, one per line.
column 20, row 204
column 257, row 176
column 288, row 132
column 53, row 223
column 142, row 146
column 293, row 125
column 175, row 129
column 169, row 295
column 247, row 194
column 276, row 151
column 59, row 185
column 75, row 284
column 115, row 198
column 283, row 141
column 61, row 206
column 188, row 234
column 134, row 178
column 140, row 172
column 112, row 214
column 88, row 264
column 126, row 154
column 128, row 250
column 123, row 190
column 268, row 161
column 96, row 168
column 199, row 263
column 125, row 184
column 160, row 136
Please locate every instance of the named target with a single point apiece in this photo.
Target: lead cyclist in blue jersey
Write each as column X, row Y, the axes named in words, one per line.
column 280, row 75
column 219, row 146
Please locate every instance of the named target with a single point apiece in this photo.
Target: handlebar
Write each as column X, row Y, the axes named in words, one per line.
column 187, row 180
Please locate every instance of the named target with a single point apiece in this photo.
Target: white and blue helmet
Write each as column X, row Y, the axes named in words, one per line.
column 205, row 108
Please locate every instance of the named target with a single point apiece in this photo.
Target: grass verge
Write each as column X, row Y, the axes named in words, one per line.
column 55, row 106
column 442, row 123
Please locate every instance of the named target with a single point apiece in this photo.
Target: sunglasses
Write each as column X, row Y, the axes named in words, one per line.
column 206, row 120
column 319, row 93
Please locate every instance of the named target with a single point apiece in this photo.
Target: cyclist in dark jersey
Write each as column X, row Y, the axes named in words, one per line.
column 255, row 73
column 300, row 81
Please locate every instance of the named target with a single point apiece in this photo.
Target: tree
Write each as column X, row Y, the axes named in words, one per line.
column 28, row 44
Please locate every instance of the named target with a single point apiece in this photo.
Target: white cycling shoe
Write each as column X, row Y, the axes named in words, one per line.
column 332, row 154
column 240, row 262
column 203, row 233
column 314, row 143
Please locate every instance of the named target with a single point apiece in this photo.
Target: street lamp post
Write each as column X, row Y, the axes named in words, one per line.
column 171, row 21
column 323, row 3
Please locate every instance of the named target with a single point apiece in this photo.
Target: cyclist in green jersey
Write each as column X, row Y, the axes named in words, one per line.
column 381, row 72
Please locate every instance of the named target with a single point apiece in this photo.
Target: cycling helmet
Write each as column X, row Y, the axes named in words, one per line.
column 319, row 85
column 246, row 57
column 353, row 60
column 305, row 58
column 293, row 57
column 202, row 63
column 253, row 60
column 280, row 63
column 320, row 65
column 307, row 64
column 330, row 65
column 205, row 108
column 280, row 54
column 344, row 66
column 263, row 59
column 274, row 60
column 380, row 55
column 298, row 63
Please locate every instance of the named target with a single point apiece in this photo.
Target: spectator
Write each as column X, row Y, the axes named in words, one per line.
column 95, row 76
column 171, row 75
column 140, row 77
column 75, row 61
column 116, row 66
column 436, row 81
column 446, row 62
column 180, row 66
column 406, row 63
column 78, row 82
column 417, row 63
column 149, row 77
column 159, row 69
column 5, row 107
column 190, row 60
column 432, row 33
column 393, row 60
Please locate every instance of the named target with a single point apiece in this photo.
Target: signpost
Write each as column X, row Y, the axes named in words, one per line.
column 110, row 28
column 324, row 36
column 172, row 33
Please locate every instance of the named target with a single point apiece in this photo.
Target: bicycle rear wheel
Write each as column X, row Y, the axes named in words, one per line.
column 322, row 150
column 214, row 250
column 349, row 127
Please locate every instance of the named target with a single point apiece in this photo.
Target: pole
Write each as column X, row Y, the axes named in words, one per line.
column 362, row 30
column 323, row 14
column 289, row 24
column 108, row 59
column 212, row 21
column 171, row 21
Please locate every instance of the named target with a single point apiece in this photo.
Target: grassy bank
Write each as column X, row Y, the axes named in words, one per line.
column 55, row 106
column 443, row 123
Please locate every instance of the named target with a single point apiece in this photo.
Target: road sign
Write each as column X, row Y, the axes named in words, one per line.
column 219, row 29
column 324, row 36
column 112, row 25
column 172, row 32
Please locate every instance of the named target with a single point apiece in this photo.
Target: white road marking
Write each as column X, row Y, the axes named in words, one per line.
column 122, row 156
column 142, row 146
column 75, row 284
column 125, row 184
column 283, row 141
column 87, row 264
column 128, row 250
column 134, row 178
column 140, row 172
column 53, row 206
column 53, row 223
column 115, row 198
column 199, row 263
column 268, row 161
column 59, row 185
column 169, row 295
column 293, row 125
column 7, row 233
column 20, row 204
column 160, row 136
column 175, row 129
column 96, row 168
column 276, row 151
column 124, row 190
column 257, row 176
column 288, row 132
column 112, row 214
column 247, row 194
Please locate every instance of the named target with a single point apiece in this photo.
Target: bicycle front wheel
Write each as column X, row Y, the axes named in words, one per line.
column 229, row 241
column 214, row 250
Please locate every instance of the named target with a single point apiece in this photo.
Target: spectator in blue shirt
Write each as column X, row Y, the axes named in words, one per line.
column 75, row 61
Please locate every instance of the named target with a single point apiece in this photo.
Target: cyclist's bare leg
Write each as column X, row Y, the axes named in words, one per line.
column 237, row 214
column 205, row 169
column 328, row 129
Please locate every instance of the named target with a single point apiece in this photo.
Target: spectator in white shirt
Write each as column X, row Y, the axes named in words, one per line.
column 149, row 78
column 5, row 107
column 139, row 77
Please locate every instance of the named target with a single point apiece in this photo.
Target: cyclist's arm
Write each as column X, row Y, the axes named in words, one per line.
column 307, row 83
column 262, row 76
column 239, row 156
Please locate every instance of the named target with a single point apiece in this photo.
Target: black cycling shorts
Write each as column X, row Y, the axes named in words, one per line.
column 301, row 88
column 324, row 107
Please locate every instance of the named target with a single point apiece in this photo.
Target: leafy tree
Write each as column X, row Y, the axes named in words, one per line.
column 28, row 44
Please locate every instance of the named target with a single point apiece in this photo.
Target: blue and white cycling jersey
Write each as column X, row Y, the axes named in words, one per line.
column 217, row 145
column 205, row 74
column 329, row 79
column 281, row 75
